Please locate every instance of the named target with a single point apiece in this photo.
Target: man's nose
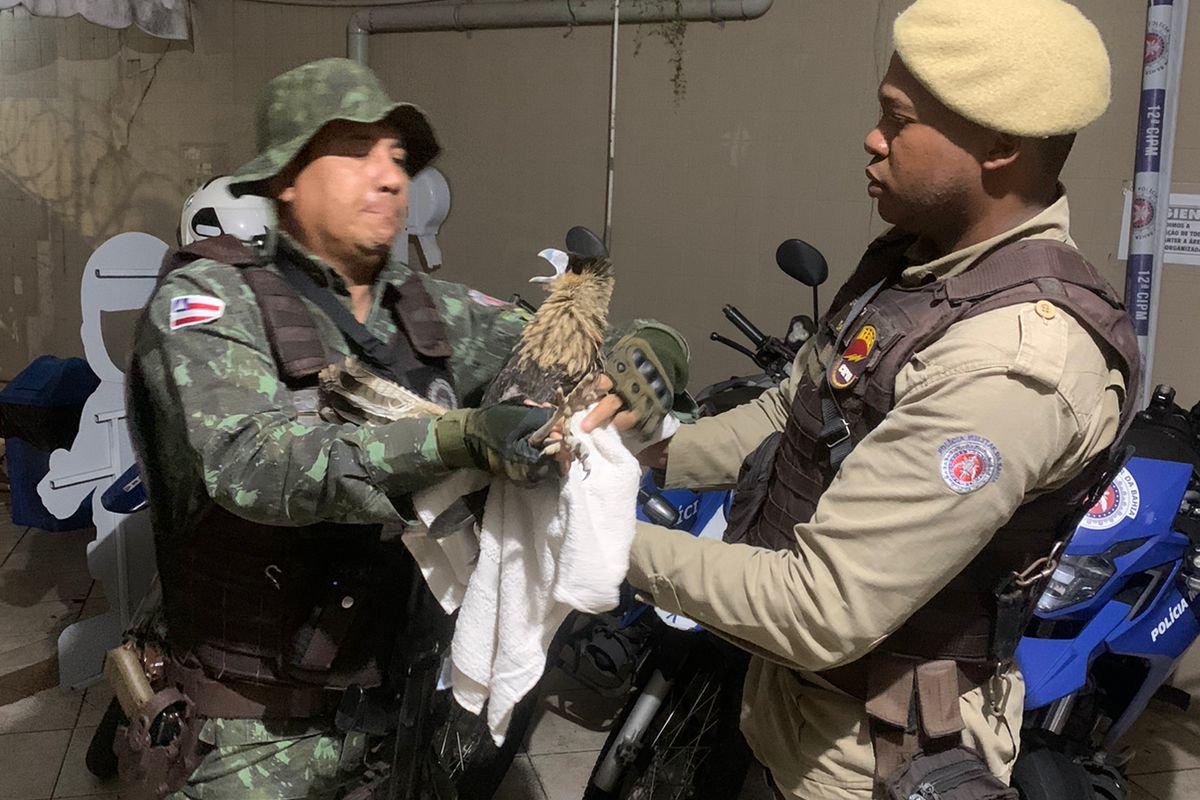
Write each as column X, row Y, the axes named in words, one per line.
column 876, row 143
column 391, row 176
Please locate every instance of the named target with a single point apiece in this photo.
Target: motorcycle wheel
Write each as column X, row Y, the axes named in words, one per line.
column 1109, row 784
column 463, row 744
column 693, row 747
column 1045, row 774
column 100, row 759
column 464, row 747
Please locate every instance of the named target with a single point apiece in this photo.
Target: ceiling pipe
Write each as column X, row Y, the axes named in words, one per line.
column 535, row 14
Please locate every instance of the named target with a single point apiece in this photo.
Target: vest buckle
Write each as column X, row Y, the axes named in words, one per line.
column 835, row 432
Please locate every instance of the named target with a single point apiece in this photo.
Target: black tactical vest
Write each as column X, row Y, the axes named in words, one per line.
column 849, row 389
column 319, row 605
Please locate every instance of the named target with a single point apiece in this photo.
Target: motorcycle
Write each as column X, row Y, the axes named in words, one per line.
column 1117, row 615
column 679, row 728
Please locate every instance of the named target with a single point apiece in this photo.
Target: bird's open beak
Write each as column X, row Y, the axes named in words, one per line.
column 558, row 259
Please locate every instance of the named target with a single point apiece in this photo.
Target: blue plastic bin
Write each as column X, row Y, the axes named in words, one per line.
column 26, row 467
column 39, row 412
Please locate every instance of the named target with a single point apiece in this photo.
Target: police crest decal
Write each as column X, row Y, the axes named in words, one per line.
column 1120, row 501
column 969, row 463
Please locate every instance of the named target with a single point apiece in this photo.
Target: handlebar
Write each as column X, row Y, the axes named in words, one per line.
column 725, row 340
column 773, row 355
column 756, row 337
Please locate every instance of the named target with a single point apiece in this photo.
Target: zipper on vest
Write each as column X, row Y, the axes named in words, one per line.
column 948, row 778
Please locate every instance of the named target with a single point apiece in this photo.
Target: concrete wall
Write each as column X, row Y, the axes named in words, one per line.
column 104, row 131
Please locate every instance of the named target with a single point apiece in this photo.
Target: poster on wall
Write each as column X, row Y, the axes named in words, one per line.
column 1183, row 227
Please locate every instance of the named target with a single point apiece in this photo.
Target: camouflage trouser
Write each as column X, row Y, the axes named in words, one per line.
column 273, row 760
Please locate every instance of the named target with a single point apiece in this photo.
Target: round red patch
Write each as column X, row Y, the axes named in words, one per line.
column 969, row 463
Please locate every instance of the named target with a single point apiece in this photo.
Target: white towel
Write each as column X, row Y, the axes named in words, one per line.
column 446, row 563
column 541, row 552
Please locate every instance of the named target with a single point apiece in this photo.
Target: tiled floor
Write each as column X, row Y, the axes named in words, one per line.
column 44, row 586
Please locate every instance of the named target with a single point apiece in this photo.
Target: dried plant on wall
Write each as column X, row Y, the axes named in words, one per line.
column 673, row 33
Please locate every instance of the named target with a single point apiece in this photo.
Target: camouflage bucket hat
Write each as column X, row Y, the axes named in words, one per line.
column 298, row 103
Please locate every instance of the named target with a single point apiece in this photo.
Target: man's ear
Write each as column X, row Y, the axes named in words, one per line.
column 1004, row 151
column 281, row 187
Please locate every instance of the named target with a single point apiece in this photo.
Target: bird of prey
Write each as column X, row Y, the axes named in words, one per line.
column 556, row 360
column 558, row 356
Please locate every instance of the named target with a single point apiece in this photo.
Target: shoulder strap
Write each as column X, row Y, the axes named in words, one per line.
column 225, row 249
column 369, row 348
column 1023, row 262
column 421, row 320
column 1024, row 271
column 882, row 261
column 291, row 330
column 1036, row 269
column 401, row 362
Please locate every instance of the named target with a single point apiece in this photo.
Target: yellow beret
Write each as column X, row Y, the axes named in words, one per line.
column 1025, row 67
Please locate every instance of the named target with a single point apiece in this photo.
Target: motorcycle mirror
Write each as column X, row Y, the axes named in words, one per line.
column 802, row 261
column 658, row 509
column 582, row 242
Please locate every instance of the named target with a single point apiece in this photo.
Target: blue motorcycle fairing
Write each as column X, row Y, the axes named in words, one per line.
column 1158, row 486
column 701, row 514
column 1054, row 668
column 1162, row 628
column 1158, row 551
column 696, row 509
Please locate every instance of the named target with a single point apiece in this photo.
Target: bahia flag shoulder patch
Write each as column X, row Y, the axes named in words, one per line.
column 482, row 299
column 194, row 309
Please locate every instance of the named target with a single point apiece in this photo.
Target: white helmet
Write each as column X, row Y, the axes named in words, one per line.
column 211, row 211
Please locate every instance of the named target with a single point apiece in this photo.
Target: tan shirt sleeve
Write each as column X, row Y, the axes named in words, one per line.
column 890, row 531
column 708, row 453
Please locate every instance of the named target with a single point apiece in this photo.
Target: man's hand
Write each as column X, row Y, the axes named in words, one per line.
column 610, row 409
column 642, row 373
column 496, row 439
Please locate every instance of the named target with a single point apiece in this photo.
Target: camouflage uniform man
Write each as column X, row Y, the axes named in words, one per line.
column 867, row 597
column 278, row 589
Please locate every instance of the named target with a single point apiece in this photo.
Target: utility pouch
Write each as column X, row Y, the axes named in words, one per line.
column 750, row 494
column 958, row 773
column 340, row 600
column 160, row 748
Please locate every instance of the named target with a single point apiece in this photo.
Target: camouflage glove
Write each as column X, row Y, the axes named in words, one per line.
column 495, row 439
column 647, row 368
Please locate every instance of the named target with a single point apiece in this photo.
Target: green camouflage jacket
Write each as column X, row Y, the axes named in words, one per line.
column 215, row 424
